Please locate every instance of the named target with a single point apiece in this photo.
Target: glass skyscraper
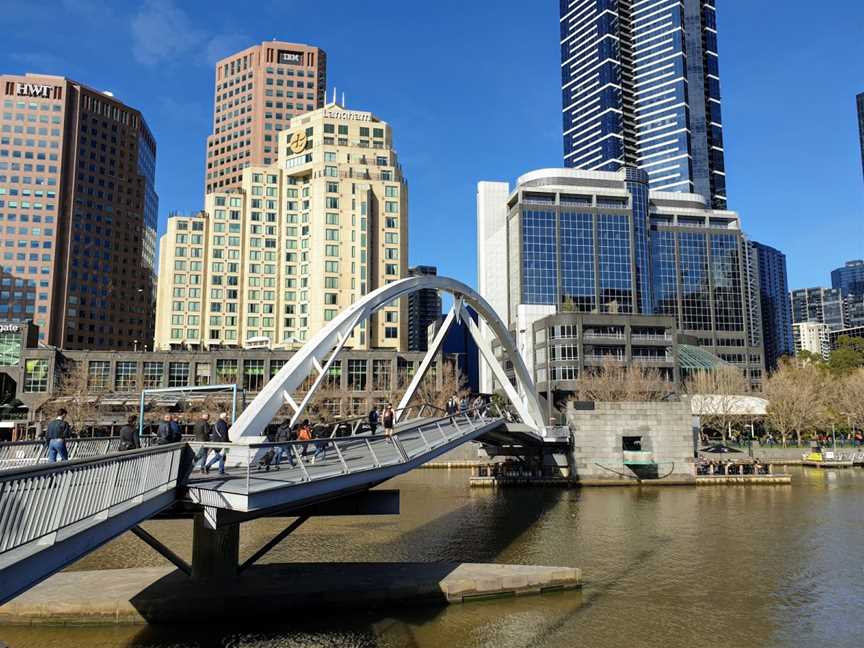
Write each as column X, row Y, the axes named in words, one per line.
column 860, row 103
column 600, row 242
column 641, row 87
column 850, row 278
column 776, row 308
column 821, row 305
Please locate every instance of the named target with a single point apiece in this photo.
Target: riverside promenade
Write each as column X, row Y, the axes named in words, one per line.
column 166, row 595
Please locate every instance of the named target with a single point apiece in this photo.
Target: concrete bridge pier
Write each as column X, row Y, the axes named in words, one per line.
column 215, row 552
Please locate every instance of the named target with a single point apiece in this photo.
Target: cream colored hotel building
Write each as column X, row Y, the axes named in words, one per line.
column 272, row 262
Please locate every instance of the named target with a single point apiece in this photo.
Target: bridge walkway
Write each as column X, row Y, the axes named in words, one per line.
column 348, row 464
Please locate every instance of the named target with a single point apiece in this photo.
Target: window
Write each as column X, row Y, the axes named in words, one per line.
column 126, row 376
column 253, row 375
column 226, row 371
column 152, row 375
column 391, row 332
column 202, row 374
column 178, row 374
column 356, row 375
column 36, row 376
column 98, row 372
column 380, row 374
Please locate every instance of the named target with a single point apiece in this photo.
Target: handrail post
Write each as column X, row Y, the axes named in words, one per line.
column 341, row 458
column 372, row 452
column 300, row 461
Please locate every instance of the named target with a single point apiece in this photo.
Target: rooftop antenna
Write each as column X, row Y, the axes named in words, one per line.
column 334, row 94
column 343, row 99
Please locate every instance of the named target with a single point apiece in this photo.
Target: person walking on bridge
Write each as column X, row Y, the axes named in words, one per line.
column 164, row 435
column 58, row 431
column 201, row 430
column 129, row 439
column 389, row 420
column 373, row 420
column 176, row 434
column 219, row 435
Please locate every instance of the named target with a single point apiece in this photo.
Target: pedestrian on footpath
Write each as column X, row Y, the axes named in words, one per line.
column 163, row 433
column 320, row 432
column 452, row 406
column 129, row 439
column 201, row 430
column 284, row 435
column 304, row 434
column 176, row 434
column 389, row 420
column 374, row 417
column 219, row 435
column 58, row 432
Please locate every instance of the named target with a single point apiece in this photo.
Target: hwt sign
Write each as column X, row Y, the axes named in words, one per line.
column 32, row 90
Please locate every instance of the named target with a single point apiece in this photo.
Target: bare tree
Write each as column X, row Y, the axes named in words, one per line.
column 453, row 382
column 848, row 399
column 719, row 394
column 77, row 396
column 795, row 399
column 612, row 382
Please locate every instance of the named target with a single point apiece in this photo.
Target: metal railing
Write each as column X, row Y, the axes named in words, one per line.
column 38, row 503
column 342, row 455
column 18, row 454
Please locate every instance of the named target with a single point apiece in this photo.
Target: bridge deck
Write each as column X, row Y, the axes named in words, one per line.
column 360, row 462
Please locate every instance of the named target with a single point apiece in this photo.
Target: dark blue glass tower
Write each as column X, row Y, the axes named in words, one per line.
column 641, row 87
column 850, row 278
column 776, row 307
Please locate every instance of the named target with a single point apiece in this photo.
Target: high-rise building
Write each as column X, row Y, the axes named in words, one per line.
column 300, row 241
column 860, row 103
column 821, row 305
column 850, row 278
column 813, row 337
column 424, row 308
column 78, row 211
column 641, row 87
column 258, row 91
column 774, row 301
column 565, row 240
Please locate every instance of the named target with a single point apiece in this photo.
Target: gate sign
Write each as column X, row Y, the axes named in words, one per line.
column 33, row 90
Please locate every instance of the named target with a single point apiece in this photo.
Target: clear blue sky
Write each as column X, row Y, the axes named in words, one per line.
column 472, row 91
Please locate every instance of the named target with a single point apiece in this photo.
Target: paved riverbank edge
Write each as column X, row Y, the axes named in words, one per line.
column 165, row 595
column 701, row 480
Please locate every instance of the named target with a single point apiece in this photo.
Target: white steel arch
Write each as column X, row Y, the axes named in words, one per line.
column 320, row 351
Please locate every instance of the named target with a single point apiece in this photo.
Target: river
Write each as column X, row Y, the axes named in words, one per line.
column 676, row 566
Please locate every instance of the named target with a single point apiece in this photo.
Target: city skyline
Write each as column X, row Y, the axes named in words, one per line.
column 171, row 78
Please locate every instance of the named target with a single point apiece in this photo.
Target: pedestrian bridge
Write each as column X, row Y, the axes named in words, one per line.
column 53, row 514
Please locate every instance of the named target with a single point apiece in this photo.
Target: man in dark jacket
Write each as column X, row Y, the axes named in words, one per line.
column 283, row 435
column 176, row 435
column 373, row 420
column 58, row 430
column 164, row 435
column 219, row 435
column 129, row 439
column 201, row 430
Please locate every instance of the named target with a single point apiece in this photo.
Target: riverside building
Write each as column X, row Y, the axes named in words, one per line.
column 641, row 87
column 274, row 261
column 775, row 306
column 653, row 270
column 258, row 91
column 78, row 211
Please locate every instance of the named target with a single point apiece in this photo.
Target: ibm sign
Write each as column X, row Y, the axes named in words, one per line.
column 292, row 58
column 33, row 90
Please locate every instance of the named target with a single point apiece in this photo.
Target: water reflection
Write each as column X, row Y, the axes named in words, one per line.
column 767, row 566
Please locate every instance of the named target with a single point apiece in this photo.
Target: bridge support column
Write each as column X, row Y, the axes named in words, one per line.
column 215, row 552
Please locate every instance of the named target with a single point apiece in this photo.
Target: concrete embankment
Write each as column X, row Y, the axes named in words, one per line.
column 164, row 595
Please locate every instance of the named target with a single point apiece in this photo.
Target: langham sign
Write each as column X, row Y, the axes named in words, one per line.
column 33, row 90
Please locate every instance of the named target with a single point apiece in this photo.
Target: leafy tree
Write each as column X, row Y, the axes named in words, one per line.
column 848, row 355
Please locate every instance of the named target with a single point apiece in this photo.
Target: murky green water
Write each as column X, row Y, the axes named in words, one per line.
column 721, row 566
